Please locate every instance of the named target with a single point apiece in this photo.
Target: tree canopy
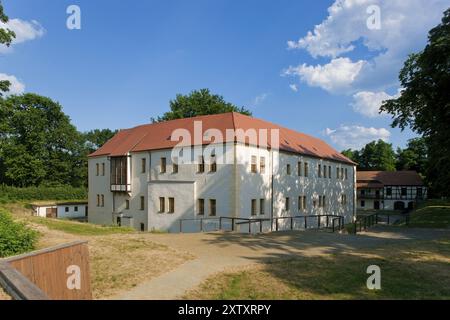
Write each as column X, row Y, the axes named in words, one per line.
column 424, row 104
column 6, row 37
column 376, row 155
column 96, row 138
column 38, row 144
column 198, row 103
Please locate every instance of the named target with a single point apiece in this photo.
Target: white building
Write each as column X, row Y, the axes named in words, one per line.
column 143, row 178
column 61, row 210
column 389, row 190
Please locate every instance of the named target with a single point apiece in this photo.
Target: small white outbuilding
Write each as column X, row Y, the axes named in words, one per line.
column 61, row 210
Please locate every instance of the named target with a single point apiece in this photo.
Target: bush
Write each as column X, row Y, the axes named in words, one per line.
column 9, row 194
column 15, row 237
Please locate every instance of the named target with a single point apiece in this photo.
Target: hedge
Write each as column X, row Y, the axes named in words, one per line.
column 15, row 237
column 8, row 193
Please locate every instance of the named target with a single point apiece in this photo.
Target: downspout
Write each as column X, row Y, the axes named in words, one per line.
column 271, row 193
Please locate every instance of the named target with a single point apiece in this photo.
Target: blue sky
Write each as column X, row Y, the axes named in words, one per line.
column 131, row 57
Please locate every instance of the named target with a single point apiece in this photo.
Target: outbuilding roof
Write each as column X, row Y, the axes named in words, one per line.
column 389, row 178
column 157, row 136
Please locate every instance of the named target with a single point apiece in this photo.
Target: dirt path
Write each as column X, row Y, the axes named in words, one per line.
column 217, row 252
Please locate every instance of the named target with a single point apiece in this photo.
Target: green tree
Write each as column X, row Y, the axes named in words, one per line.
column 424, row 104
column 6, row 37
column 414, row 156
column 198, row 103
column 352, row 155
column 39, row 145
column 377, row 155
column 94, row 139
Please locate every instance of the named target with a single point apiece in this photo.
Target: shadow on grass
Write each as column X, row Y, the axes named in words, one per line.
column 317, row 265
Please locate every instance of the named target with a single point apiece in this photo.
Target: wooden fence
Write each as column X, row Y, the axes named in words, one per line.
column 60, row 273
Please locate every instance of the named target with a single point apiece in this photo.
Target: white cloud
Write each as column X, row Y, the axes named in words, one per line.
column 260, row 99
column 336, row 76
column 24, row 30
column 355, row 137
column 404, row 29
column 368, row 103
column 16, row 86
column 293, row 87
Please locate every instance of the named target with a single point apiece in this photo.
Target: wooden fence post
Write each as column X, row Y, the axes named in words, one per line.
column 181, row 226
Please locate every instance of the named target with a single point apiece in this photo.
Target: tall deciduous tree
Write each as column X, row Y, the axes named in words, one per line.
column 94, row 139
column 6, row 37
column 198, row 103
column 376, row 155
column 424, row 104
column 414, row 156
column 38, row 144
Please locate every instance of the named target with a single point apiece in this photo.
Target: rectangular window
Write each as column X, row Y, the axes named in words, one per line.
column 97, row 169
column 319, row 171
column 300, row 203
column 299, row 169
column 98, row 200
column 320, row 201
column 201, row 164
column 253, row 212
column 304, row 202
column 171, row 205
column 163, row 163
column 329, row 172
column 344, row 199
column 324, row 171
column 103, row 200
column 262, row 165
column 342, row 174
column 75, row 209
column 287, row 204
column 389, row 191
column 103, row 169
column 419, row 192
column 142, row 203
column 162, row 204
column 324, row 203
column 66, row 209
column 262, row 208
column 306, row 168
column 288, row 169
column 346, row 174
column 337, row 172
column 143, row 163
column 212, row 207
column 363, row 203
column 142, row 227
column 175, row 165
column 213, row 165
column 404, row 192
column 119, row 170
column 253, row 165
column 201, row 207
column 127, row 204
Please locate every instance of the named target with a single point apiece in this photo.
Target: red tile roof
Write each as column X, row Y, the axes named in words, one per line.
column 158, row 136
column 389, row 178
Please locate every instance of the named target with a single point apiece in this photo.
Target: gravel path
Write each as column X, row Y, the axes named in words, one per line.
column 217, row 252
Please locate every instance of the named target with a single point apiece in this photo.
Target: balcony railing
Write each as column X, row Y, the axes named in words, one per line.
column 370, row 196
column 121, row 187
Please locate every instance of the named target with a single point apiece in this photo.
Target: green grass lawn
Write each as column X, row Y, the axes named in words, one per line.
column 80, row 228
column 419, row 270
column 22, row 211
column 431, row 214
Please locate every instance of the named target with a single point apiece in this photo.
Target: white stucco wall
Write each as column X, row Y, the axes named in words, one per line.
column 232, row 186
column 71, row 213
